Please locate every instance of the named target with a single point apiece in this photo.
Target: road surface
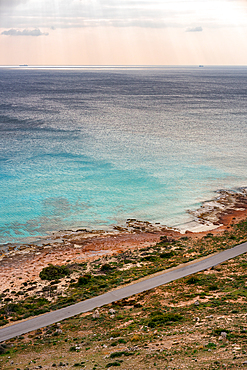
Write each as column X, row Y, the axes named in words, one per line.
column 115, row 295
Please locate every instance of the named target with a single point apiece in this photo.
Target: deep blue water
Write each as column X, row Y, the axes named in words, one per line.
column 91, row 148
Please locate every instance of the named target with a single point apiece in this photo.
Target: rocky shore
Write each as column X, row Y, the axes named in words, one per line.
column 24, row 263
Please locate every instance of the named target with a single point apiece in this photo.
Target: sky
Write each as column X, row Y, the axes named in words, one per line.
column 123, row 32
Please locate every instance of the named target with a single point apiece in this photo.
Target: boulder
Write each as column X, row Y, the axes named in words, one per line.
column 222, row 336
column 96, row 314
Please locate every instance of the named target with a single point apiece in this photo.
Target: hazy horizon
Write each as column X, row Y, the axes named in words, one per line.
column 123, row 66
column 109, row 32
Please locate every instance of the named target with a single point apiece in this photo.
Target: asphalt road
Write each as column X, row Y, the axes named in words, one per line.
column 127, row 291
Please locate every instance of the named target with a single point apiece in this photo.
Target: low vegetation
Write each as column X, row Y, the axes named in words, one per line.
column 181, row 325
column 198, row 322
column 52, row 272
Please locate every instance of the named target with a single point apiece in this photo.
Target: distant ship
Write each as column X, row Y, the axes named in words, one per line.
column 201, row 65
column 23, row 65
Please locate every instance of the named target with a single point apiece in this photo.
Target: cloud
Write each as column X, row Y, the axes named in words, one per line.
column 38, row 14
column 11, row 3
column 14, row 32
column 96, row 13
column 194, row 29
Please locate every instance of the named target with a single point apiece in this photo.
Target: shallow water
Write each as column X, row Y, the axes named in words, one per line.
column 91, row 148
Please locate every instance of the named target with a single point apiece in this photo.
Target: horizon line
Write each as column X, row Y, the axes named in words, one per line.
column 117, row 65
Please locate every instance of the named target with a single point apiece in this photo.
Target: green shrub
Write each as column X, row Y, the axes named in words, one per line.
column 149, row 258
column 121, row 340
column 117, row 354
column 103, row 285
column 52, row 272
column 211, row 345
column 2, row 349
column 193, row 280
column 116, row 334
column 127, row 261
column 159, row 318
column 40, row 311
column 121, row 353
column 167, row 254
column 83, row 280
column 110, row 364
column 3, row 321
column 77, row 364
column 107, row 267
column 213, row 287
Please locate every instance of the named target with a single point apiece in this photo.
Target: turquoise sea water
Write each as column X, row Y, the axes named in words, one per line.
column 93, row 147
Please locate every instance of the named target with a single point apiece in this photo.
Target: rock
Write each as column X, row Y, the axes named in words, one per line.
column 237, row 348
column 96, row 314
column 196, row 303
column 209, row 317
column 104, row 346
column 59, row 331
column 112, row 316
column 222, row 336
column 132, row 349
column 112, row 311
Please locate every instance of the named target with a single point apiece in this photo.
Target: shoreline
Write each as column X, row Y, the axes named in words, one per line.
column 211, row 215
column 74, row 247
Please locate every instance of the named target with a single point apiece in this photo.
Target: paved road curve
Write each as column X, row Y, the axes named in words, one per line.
column 127, row 291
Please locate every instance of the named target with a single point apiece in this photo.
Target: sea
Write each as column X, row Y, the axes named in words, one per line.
column 89, row 147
